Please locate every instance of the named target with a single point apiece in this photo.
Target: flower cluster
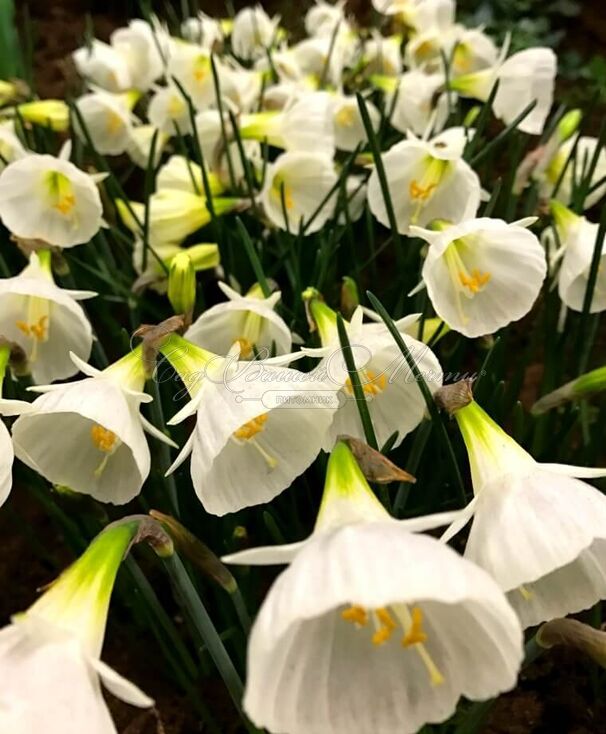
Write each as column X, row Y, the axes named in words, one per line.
column 217, row 179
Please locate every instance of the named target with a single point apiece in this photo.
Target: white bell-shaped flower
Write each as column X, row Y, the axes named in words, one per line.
column 104, row 66
column 382, row 628
column 258, row 425
column 88, row 435
column 537, row 530
column 578, row 237
column 394, row 399
column 249, row 320
column 202, row 30
column 296, row 188
column 140, row 144
column 50, row 655
column 145, row 49
column 414, row 104
column 45, row 320
column 191, row 65
column 585, row 151
column 349, row 130
column 62, row 202
column 482, row 274
column 427, row 180
column 108, row 120
column 322, row 18
column 383, row 55
column 168, row 111
column 253, row 32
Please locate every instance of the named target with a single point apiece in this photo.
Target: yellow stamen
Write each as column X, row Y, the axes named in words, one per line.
column 372, row 384
column 37, row 330
column 61, row 192
column 356, row 615
column 250, row 429
column 415, row 633
column 417, row 191
column 386, row 627
column 246, row 347
column 474, row 281
column 114, row 123
column 279, row 186
column 104, row 439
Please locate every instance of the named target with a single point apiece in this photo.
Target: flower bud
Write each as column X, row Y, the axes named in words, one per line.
column 182, row 285
column 568, row 125
column 53, row 113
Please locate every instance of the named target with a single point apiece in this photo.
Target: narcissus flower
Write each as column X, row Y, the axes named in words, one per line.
column 527, row 76
column 62, row 202
column 184, row 175
column 88, row 435
column 45, row 320
column 108, row 119
column 249, row 320
column 296, row 188
column 253, row 31
column 412, row 100
column 395, row 402
column 578, row 236
column 349, row 129
column 50, row 655
column 382, row 628
column 190, row 64
column 383, row 55
column 538, row 530
column 145, row 48
column 585, row 150
column 258, row 425
column 482, row 274
column 168, row 111
column 203, row 30
column 427, row 180
column 104, row 66
column 139, row 147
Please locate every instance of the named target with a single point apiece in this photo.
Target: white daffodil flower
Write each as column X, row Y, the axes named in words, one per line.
column 395, row 402
column 140, row 144
column 412, row 101
column 145, row 49
column 45, row 320
column 240, row 87
column 307, row 125
column 249, row 320
column 578, row 236
column 253, row 32
column 104, row 66
column 50, row 655
column 322, row 18
column 168, row 111
column 181, row 174
column 428, row 14
column 349, row 130
column 382, row 628
column 320, row 59
column 482, row 274
column 427, row 180
column 527, row 76
column 202, row 30
column 295, row 191
column 468, row 49
column 62, row 202
column 11, row 147
column 108, row 119
column 191, row 65
column 88, row 435
column 585, row 151
column 258, row 425
column 538, row 530
column 383, row 55
column 402, row 8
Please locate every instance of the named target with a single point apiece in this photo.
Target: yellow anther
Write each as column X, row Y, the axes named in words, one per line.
column 425, row 50
column 386, row 628
column 250, row 429
column 246, row 346
column 386, row 619
column 381, row 636
column 114, row 123
column 346, row 116
column 355, row 615
column 419, row 192
column 415, row 633
column 37, row 330
column 372, row 384
column 475, row 281
column 527, row 595
column 65, row 204
column 104, row 439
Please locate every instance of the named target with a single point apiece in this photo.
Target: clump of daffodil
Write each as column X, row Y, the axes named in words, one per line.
column 426, row 180
column 577, row 237
column 50, row 655
column 88, row 435
column 382, row 627
column 250, row 320
column 482, row 274
column 44, row 320
column 537, row 529
column 259, row 424
column 62, row 202
column 394, row 399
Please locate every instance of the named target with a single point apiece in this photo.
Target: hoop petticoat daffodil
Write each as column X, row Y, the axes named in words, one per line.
column 427, row 180
column 259, row 425
column 144, row 47
column 413, row 107
column 537, row 530
column 253, row 31
column 382, row 628
column 88, row 435
column 108, row 119
column 585, row 151
column 394, row 399
column 578, row 236
column 349, row 128
column 50, row 655
column 139, row 147
column 482, row 274
column 525, row 77
column 45, row 320
column 296, row 185
column 250, row 320
column 104, row 66
column 62, row 202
